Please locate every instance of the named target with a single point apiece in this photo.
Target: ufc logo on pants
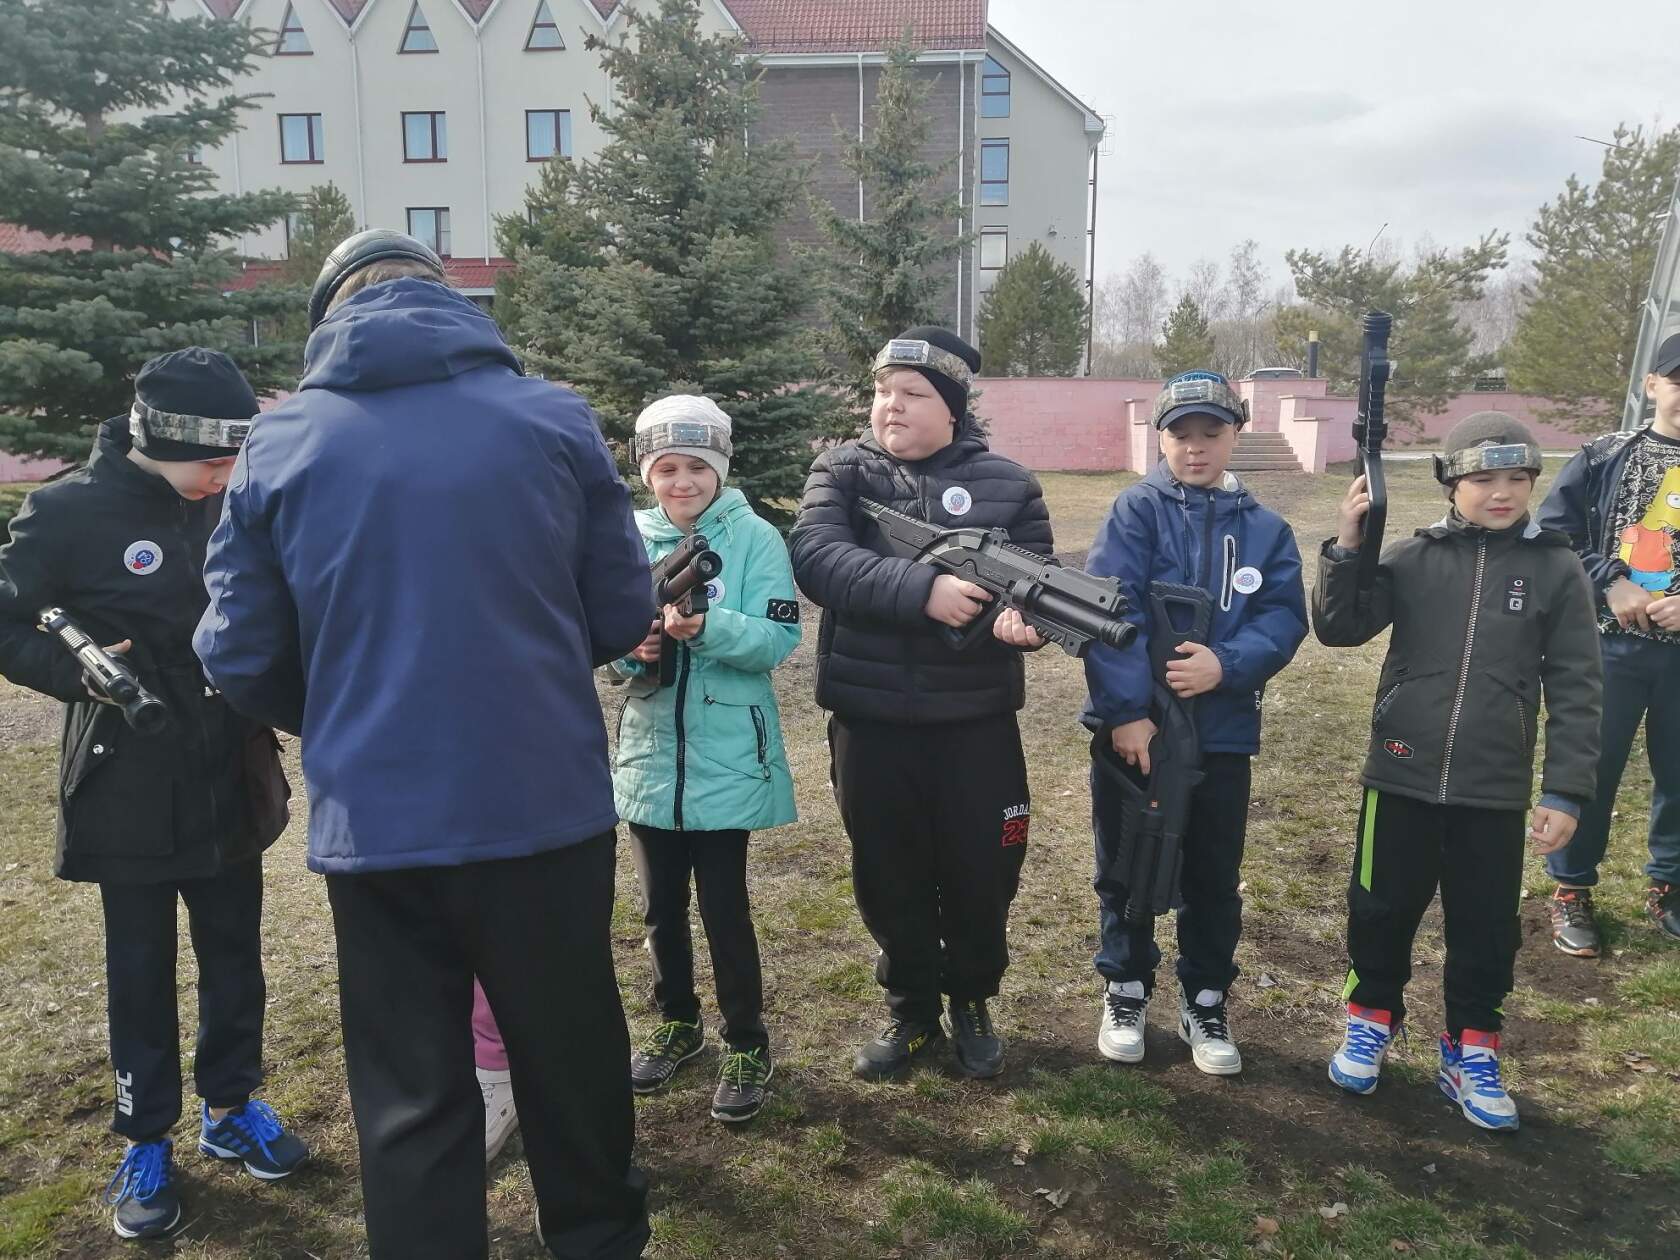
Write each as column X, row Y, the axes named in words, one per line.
column 125, row 1093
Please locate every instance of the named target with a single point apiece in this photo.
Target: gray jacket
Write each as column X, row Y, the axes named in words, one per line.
column 1486, row 624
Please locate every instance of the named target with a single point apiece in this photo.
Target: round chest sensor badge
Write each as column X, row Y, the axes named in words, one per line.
column 143, row 556
column 957, row 501
column 1246, row 580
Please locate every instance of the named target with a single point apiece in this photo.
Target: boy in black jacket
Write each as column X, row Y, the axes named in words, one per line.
column 926, row 752
column 119, row 543
column 1618, row 501
column 1491, row 614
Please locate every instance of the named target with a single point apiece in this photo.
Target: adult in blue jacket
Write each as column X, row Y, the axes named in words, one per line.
column 422, row 557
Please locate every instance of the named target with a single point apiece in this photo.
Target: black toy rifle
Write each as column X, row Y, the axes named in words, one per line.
column 680, row 579
column 106, row 674
column 1156, row 808
column 1068, row 607
column 1370, row 429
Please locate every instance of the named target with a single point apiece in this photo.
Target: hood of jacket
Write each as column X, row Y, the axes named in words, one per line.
column 402, row 332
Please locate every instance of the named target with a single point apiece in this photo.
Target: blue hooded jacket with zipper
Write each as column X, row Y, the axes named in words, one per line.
column 706, row 754
column 1160, row 530
column 422, row 555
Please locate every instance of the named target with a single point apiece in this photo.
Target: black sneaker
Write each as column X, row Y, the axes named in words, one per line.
column 252, row 1135
column 1574, row 930
column 890, row 1052
column 662, row 1052
column 1662, row 903
column 143, row 1192
column 979, row 1050
column 741, row 1082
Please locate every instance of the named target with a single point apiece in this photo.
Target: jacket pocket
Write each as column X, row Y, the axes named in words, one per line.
column 1406, row 699
column 116, row 793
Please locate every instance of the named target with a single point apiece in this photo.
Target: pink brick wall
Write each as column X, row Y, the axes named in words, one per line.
column 1082, row 425
column 16, row 468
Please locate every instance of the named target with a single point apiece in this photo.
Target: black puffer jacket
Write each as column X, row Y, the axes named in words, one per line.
column 879, row 657
column 123, row 554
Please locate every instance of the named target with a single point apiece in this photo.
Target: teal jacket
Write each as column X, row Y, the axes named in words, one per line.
column 706, row 754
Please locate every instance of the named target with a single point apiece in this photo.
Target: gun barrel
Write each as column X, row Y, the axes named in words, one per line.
column 1107, row 628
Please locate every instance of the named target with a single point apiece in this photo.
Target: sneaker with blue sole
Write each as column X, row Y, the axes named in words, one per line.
column 142, row 1194
column 253, row 1135
column 1357, row 1066
column 1470, row 1077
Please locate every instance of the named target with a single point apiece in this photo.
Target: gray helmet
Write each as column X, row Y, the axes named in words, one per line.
column 362, row 250
column 1486, row 441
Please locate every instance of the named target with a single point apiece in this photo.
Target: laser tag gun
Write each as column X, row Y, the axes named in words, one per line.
column 680, row 579
column 1370, row 429
column 107, row 674
column 1155, row 810
column 1068, row 607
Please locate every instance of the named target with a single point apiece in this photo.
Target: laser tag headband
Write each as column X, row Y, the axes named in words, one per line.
column 1199, row 394
column 1486, row 442
column 924, row 354
column 363, row 250
column 192, row 404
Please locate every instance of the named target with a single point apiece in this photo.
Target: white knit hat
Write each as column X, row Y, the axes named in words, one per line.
column 684, row 424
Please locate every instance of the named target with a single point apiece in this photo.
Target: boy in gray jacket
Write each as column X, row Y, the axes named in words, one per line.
column 1490, row 614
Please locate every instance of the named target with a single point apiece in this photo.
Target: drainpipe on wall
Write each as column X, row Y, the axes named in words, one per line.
column 483, row 140
column 1091, row 266
column 361, row 166
column 962, row 182
column 238, row 180
column 860, row 131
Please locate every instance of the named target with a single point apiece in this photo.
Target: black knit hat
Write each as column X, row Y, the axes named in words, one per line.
column 953, row 391
column 191, row 404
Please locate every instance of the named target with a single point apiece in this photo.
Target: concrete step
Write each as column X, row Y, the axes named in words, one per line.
column 1262, row 441
column 1264, row 464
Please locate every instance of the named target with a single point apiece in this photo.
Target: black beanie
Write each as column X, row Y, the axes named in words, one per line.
column 954, row 394
column 192, row 382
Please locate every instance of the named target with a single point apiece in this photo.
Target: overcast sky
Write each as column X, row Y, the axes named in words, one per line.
column 1310, row 123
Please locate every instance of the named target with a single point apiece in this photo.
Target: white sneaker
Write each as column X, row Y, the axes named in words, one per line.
column 1357, row 1065
column 1121, row 1036
column 1470, row 1077
column 500, row 1118
column 1202, row 1027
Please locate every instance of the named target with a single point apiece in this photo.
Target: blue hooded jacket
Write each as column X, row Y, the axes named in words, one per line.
column 1243, row 555
column 422, row 555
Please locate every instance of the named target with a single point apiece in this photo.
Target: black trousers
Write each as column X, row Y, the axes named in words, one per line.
column 536, row 932
column 1406, row 849
column 717, row 860
column 1210, row 920
column 224, row 915
column 938, row 818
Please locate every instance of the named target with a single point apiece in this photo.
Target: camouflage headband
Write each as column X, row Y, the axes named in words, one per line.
column 147, row 423
column 1488, row 457
column 1199, row 393
column 924, row 354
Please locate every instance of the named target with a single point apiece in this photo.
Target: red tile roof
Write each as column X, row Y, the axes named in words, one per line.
column 810, row 26
column 22, row 240
column 350, row 10
column 464, row 273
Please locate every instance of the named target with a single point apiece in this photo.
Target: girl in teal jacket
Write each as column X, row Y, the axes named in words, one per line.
column 700, row 763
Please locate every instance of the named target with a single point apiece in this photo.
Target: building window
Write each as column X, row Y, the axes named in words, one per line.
column 430, row 225
column 545, row 35
column 425, row 138
column 417, row 36
column 994, row 172
column 994, row 248
column 994, row 90
column 300, row 138
column 293, row 42
column 297, row 224
column 548, row 133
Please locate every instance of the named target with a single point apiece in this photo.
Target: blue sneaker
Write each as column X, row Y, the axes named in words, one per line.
column 1357, row 1066
column 254, row 1135
column 1470, row 1077
column 143, row 1192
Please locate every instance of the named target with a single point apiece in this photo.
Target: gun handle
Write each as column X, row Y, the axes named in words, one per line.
column 667, row 659
column 965, row 637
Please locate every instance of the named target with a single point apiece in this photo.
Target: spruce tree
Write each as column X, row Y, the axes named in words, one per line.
column 1595, row 248
column 102, row 105
column 889, row 270
column 1186, row 339
column 1432, row 346
column 654, row 268
column 1033, row 321
column 325, row 218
